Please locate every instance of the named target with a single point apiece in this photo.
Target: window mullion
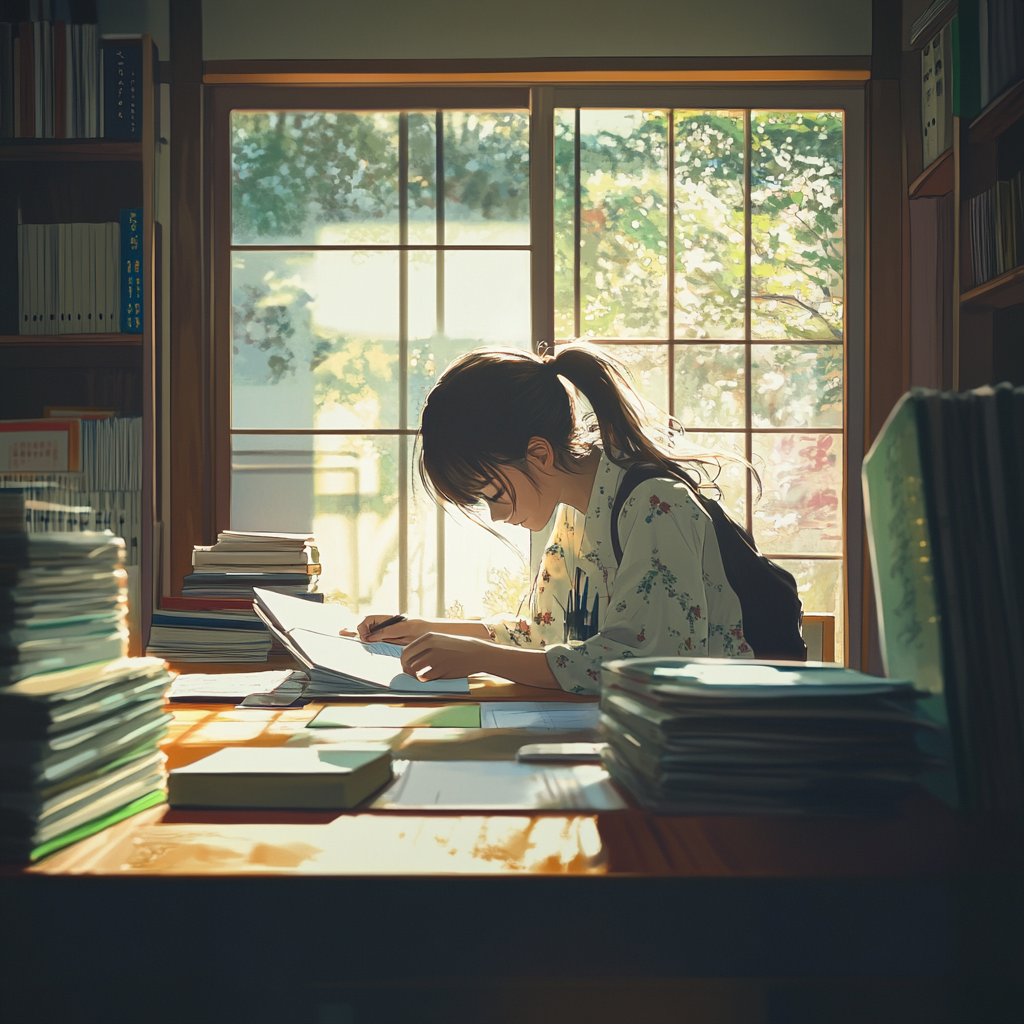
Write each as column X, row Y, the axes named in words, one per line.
column 748, row 438
column 542, row 218
column 403, row 362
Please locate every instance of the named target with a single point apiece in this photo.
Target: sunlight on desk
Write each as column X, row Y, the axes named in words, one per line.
column 350, row 845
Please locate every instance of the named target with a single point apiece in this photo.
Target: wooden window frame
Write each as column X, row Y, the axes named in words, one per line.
column 224, row 92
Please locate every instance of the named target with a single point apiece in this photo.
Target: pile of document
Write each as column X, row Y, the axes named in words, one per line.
column 79, row 722
column 63, row 602
column 711, row 736
column 239, row 561
column 214, row 636
column 338, row 664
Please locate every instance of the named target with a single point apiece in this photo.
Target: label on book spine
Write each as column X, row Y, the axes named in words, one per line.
column 131, row 271
column 122, row 89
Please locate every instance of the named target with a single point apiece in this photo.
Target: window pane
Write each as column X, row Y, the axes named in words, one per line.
column 315, row 340
column 486, row 302
column 344, row 489
column 647, row 367
column 565, row 223
column 319, row 177
column 802, row 476
column 710, row 272
column 487, row 178
column 624, row 244
column 710, row 385
column 483, row 576
column 732, row 480
column 422, row 189
column 797, row 385
column 820, row 585
column 796, row 196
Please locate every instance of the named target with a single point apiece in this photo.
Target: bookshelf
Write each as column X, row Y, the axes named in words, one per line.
column 90, row 180
column 984, row 324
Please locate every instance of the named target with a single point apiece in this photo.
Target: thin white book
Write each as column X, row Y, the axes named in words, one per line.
column 299, row 778
column 113, row 276
column 23, row 303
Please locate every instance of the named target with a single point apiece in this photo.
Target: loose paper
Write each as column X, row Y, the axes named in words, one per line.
column 538, row 715
column 385, row 716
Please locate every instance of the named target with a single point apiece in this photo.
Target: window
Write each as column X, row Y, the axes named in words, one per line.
column 705, row 247
column 368, row 250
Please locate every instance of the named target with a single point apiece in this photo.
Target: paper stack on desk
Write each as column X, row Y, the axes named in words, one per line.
column 339, row 665
column 215, row 636
column 242, row 560
column 79, row 722
column 711, row 736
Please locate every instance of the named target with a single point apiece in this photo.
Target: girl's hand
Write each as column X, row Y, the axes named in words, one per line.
column 399, row 633
column 440, row 656
column 406, row 632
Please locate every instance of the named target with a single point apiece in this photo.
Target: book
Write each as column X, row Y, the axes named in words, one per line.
column 47, row 445
column 928, row 133
column 336, row 664
column 131, row 262
column 244, row 556
column 947, row 565
column 296, row 778
column 122, row 87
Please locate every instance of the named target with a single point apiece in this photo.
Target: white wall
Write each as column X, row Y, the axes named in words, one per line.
column 403, row 29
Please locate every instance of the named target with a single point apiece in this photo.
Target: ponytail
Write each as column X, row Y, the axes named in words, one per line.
column 486, row 406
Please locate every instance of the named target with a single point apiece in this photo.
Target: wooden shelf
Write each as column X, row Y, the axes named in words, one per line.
column 33, row 340
column 999, row 115
column 1002, row 291
column 936, row 179
column 60, row 150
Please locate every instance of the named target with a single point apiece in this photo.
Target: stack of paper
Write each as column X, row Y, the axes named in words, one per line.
column 63, row 602
column 79, row 722
column 710, row 736
column 239, row 561
column 79, row 751
column 336, row 664
column 215, row 636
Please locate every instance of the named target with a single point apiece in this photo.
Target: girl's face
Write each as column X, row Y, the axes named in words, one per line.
column 536, row 494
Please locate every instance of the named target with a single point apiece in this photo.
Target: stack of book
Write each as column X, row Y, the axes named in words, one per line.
column 997, row 229
column 214, row 636
column 239, row 561
column 709, row 736
column 79, row 722
column 943, row 487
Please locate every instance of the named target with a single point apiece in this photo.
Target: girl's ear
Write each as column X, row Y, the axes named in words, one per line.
column 540, row 454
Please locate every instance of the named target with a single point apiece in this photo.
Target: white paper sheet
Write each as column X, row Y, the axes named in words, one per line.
column 525, row 714
column 499, row 785
column 231, row 686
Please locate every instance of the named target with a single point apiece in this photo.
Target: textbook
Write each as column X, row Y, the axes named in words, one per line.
column 297, row 778
column 943, row 485
column 336, row 664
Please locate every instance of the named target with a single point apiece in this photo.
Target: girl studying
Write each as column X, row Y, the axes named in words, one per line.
column 631, row 574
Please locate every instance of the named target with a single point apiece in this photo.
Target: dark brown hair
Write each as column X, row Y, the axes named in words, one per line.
column 483, row 410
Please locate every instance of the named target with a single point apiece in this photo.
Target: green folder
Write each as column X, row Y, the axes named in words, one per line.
column 384, row 716
column 158, row 796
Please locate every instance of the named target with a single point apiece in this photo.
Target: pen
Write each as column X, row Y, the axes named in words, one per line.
column 393, row 621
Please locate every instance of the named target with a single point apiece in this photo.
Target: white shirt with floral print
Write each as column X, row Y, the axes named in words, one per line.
column 669, row 597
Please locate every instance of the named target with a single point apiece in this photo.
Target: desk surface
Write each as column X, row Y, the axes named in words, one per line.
column 921, row 842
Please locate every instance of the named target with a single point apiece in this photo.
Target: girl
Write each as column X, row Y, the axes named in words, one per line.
column 500, row 426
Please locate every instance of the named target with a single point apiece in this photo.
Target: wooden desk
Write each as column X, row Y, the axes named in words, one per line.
column 410, row 916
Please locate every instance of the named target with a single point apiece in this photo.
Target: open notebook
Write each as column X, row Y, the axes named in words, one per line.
column 336, row 664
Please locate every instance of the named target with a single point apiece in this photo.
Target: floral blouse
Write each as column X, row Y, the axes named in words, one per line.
column 669, row 597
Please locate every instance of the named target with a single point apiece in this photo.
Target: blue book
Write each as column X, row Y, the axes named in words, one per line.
column 122, row 89
column 131, row 271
